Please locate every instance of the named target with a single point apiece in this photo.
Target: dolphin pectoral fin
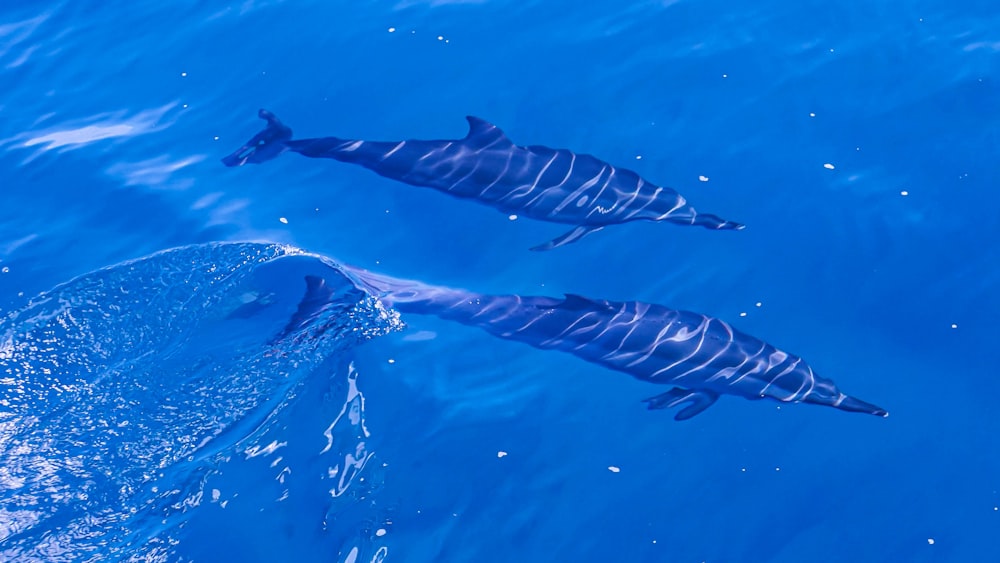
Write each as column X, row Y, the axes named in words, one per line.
column 700, row 400
column 572, row 236
column 263, row 146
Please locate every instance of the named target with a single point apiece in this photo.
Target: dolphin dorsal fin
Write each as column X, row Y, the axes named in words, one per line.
column 482, row 134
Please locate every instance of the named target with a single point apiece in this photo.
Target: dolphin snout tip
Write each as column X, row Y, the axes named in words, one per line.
column 877, row 411
column 852, row 404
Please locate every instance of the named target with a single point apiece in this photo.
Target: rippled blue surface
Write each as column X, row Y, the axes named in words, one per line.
column 880, row 269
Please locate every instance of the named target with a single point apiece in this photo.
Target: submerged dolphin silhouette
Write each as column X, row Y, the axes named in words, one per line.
column 539, row 182
column 701, row 356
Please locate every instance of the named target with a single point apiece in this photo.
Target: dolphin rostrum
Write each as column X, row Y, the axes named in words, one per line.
column 702, row 357
column 554, row 185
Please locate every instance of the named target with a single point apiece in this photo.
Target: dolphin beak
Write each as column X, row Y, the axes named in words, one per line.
column 850, row 404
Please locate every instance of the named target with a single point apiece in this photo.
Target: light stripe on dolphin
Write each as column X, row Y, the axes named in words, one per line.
column 555, row 185
column 703, row 357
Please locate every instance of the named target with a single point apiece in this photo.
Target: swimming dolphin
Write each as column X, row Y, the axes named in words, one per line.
column 702, row 357
column 539, row 182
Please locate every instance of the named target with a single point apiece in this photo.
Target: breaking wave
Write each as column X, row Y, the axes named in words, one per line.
column 133, row 400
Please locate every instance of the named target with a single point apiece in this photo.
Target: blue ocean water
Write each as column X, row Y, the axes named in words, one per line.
column 143, row 416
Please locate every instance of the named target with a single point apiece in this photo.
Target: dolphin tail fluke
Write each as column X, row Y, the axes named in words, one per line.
column 700, row 400
column 263, row 146
column 715, row 222
column 564, row 239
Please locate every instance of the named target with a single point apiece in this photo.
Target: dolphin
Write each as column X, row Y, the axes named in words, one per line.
column 700, row 356
column 542, row 183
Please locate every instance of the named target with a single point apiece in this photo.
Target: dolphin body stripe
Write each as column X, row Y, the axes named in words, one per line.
column 539, row 182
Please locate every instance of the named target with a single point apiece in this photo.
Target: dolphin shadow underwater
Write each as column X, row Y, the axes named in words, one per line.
column 555, row 185
column 700, row 356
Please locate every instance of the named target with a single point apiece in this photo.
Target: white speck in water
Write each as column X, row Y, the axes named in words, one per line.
column 215, row 495
column 954, row 326
column 413, row 31
column 743, row 314
column 216, row 138
column 777, row 469
column 654, row 541
column 224, row 503
column 440, row 38
column 283, row 220
column 811, row 114
column 930, row 541
column 638, row 157
column 725, row 76
column 758, row 304
column 392, row 30
column 744, row 469
column 613, row 469
column 828, row 166
column 501, row 454
column 703, row 178
column 904, row 193
column 831, row 50
column 512, row 217
column 184, row 74
column 392, row 361
column 380, row 532
column 185, row 105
